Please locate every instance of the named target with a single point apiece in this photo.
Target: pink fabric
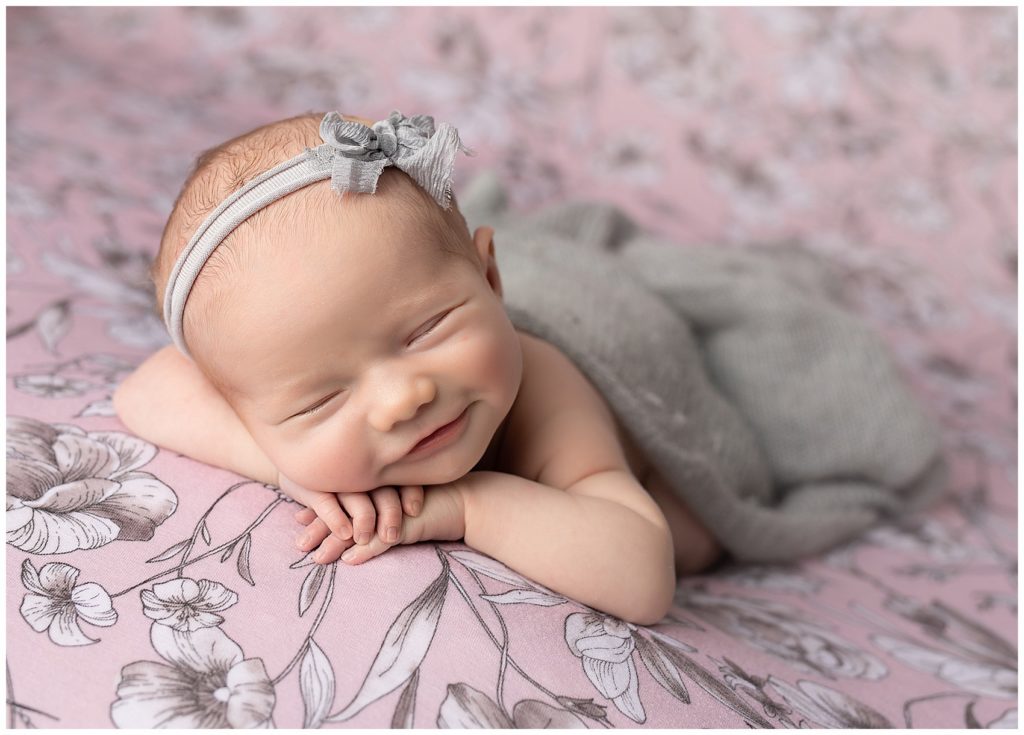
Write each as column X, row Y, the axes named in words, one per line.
column 883, row 138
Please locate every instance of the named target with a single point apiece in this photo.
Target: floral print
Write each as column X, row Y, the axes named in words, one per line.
column 187, row 605
column 879, row 139
column 606, row 648
column 68, row 489
column 57, row 605
column 206, row 683
column 781, row 630
column 826, row 707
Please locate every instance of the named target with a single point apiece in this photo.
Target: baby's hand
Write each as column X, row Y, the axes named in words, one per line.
column 330, row 527
column 443, row 518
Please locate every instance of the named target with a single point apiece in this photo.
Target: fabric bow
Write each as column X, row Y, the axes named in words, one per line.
column 357, row 153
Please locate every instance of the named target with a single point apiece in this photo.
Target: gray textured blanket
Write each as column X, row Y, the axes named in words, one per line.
column 778, row 416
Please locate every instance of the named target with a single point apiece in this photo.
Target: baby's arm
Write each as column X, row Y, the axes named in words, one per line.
column 603, row 541
column 168, row 401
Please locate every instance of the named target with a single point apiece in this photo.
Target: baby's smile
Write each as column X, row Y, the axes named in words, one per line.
column 441, row 437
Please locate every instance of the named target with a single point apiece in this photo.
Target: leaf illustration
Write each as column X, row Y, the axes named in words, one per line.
column 662, row 668
column 205, row 533
column 227, row 553
column 316, row 682
column 489, row 567
column 170, row 553
column 715, row 688
column 404, row 647
column 466, row 707
column 667, row 640
column 53, row 324
column 243, row 560
column 406, row 709
column 528, row 597
column 305, row 561
column 103, row 407
column 310, row 586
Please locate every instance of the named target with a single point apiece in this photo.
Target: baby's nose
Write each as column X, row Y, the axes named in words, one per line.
column 401, row 401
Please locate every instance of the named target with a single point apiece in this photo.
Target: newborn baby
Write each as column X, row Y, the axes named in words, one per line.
column 353, row 349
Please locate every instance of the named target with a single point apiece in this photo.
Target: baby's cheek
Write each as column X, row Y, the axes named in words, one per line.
column 328, row 464
column 494, row 358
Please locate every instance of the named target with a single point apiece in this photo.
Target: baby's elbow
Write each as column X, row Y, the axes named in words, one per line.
column 659, row 591
column 651, row 610
column 658, row 605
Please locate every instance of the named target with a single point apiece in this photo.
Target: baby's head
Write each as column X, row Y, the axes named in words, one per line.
column 342, row 329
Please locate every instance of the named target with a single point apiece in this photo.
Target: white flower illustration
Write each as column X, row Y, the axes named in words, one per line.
column 68, row 489
column 185, row 604
column 827, row 707
column 782, row 631
column 208, row 684
column 55, row 603
column 989, row 678
column 606, row 646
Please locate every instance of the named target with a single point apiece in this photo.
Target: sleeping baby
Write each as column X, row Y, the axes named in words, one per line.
column 340, row 333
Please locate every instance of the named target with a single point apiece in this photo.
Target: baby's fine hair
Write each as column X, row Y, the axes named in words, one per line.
column 223, row 169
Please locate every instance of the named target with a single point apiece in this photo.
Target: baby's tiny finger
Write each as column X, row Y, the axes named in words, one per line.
column 331, row 549
column 328, row 509
column 364, row 552
column 360, row 509
column 312, row 535
column 305, row 516
column 412, row 499
column 389, row 513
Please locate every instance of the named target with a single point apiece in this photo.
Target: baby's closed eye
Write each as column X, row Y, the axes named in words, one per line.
column 430, row 327
column 318, row 406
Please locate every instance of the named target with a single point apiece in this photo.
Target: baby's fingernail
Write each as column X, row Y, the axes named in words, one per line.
column 302, row 539
column 392, row 534
column 414, row 507
column 364, row 538
column 349, row 555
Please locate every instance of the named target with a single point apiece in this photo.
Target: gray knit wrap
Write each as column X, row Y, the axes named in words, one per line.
column 778, row 416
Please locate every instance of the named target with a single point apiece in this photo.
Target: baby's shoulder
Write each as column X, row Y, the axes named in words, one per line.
column 558, row 414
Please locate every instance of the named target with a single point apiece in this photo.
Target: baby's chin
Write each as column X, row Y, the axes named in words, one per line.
column 437, row 470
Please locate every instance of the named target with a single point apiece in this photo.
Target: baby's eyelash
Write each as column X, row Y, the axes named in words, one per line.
column 432, row 327
column 317, row 407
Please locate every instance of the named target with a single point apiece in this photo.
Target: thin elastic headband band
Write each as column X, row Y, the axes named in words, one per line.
column 352, row 157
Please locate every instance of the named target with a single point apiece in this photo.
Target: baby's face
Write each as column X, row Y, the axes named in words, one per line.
column 356, row 339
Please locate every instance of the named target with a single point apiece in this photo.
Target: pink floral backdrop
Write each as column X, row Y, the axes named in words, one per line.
column 881, row 138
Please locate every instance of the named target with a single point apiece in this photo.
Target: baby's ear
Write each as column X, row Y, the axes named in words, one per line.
column 483, row 240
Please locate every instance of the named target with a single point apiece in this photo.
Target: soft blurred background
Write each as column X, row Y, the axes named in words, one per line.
column 884, row 139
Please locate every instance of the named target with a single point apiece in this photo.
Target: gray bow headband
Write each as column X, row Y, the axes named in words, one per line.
column 352, row 157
